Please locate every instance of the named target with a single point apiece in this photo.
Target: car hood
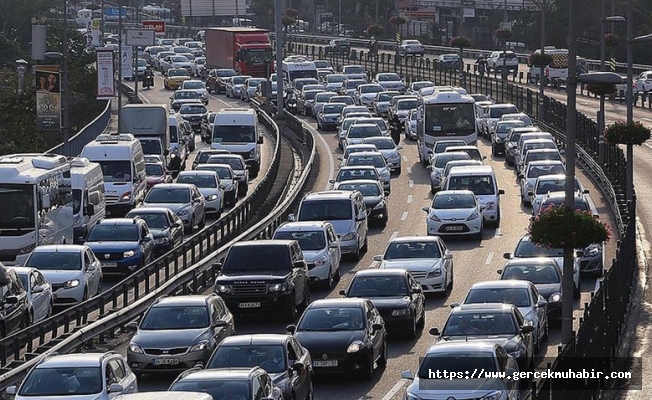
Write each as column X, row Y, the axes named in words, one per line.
column 454, row 215
column 421, row 265
column 342, row 227
column 390, row 303
column 169, row 338
column 371, row 201
column 102, row 247
column 175, row 207
column 184, row 101
column 246, row 277
column 332, row 340
column 312, row 255
column 159, row 233
column 548, row 289
column 56, row 276
column 209, row 191
column 498, row 339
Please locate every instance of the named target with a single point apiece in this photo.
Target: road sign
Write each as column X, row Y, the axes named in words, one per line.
column 127, row 62
column 158, row 26
column 140, row 37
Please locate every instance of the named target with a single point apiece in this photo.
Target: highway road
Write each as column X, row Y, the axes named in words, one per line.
column 474, row 261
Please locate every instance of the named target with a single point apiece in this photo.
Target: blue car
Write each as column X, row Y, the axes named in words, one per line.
column 123, row 245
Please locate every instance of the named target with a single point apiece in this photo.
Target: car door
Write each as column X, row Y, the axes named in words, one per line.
column 88, row 270
column 118, row 372
column 12, row 312
column 447, row 262
column 299, row 272
column 147, row 243
column 507, row 365
column 418, row 299
column 300, row 380
column 199, row 204
column 528, row 338
column 176, row 230
column 377, row 336
column 334, row 250
column 47, row 291
column 39, row 298
column 540, row 311
column 218, row 313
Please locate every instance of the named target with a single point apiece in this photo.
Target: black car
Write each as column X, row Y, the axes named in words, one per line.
column 231, row 384
column 285, row 360
column 374, row 198
column 165, row 226
column 203, row 156
column 206, row 127
column 397, row 296
column 343, row 336
column 500, row 135
column 14, row 307
column 193, row 113
column 338, row 46
column 264, row 276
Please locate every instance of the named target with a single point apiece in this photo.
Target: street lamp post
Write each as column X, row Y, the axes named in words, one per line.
column 21, row 69
column 542, row 68
column 601, row 117
column 65, row 91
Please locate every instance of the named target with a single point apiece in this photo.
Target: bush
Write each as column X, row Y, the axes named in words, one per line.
column 503, row 34
column 540, row 60
column 563, row 227
column 460, row 42
column 624, row 133
column 397, row 20
column 287, row 20
column 375, row 30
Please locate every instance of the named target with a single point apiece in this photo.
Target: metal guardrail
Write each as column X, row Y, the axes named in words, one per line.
column 86, row 134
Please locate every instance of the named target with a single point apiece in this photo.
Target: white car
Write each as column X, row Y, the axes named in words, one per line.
column 380, row 104
column 39, row 292
column 454, row 212
column 381, row 122
column 321, row 99
column 199, row 87
column 643, row 83
column 426, row 257
column 411, row 124
column 209, row 185
column 415, row 87
column 411, row 47
column 358, row 132
column 386, row 146
column 73, row 270
column 403, row 108
column 365, row 94
column 498, row 60
column 199, row 67
column 356, row 148
column 549, row 184
column 327, row 116
column 178, row 61
column 250, row 87
column 532, row 172
column 334, row 81
column 390, row 81
column 235, row 86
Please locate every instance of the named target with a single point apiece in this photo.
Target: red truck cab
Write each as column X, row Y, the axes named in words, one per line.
column 246, row 50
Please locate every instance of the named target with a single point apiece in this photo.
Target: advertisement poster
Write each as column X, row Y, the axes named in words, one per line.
column 105, row 74
column 48, row 98
column 127, row 62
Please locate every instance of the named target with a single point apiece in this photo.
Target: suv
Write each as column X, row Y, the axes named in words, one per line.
column 499, row 59
column 123, row 245
column 338, row 46
column 264, row 274
column 14, row 306
column 99, row 376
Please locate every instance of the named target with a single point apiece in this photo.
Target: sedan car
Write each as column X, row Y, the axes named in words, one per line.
column 397, row 296
column 231, row 383
column 522, row 294
column 181, row 97
column 533, row 171
column 374, row 159
column 327, row 116
column 217, row 79
column 334, row 81
column 358, row 132
column 235, row 86
column 365, row 94
column 227, row 179
column 380, row 103
column 438, row 162
column 343, row 336
column 550, row 184
column 411, row 47
column 178, row 61
column 402, row 109
column 199, row 67
column 511, row 142
column 197, row 86
column 178, row 333
column 374, row 198
column 418, row 85
column 204, row 154
column 500, row 134
column 74, row 271
column 287, row 362
column 321, row 99
column 454, row 212
column 502, row 324
column 390, row 81
column 209, row 185
column 194, row 113
column 157, row 173
column 239, row 168
column 166, row 227
column 249, row 88
column 356, row 148
column 458, row 359
column 388, row 148
column 411, row 125
column 174, row 77
column 40, row 295
column 350, row 85
column 183, row 199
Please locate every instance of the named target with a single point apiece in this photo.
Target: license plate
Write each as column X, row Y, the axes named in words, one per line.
column 109, row 265
column 250, row 305
column 327, row 363
column 165, row 361
column 454, row 228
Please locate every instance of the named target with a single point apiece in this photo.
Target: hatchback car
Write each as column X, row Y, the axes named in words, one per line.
column 235, row 86
column 389, row 149
column 74, row 271
column 533, row 171
column 454, row 212
column 209, row 185
column 184, row 199
column 374, row 159
column 40, row 295
column 239, row 168
column 184, row 97
column 231, row 383
column 374, row 198
column 327, row 116
column 227, row 179
column 197, row 86
column 166, row 227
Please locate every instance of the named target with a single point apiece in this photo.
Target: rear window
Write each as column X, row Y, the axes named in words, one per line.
column 478, row 184
column 325, row 210
column 497, row 112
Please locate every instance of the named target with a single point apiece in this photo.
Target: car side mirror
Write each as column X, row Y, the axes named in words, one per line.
column 37, row 289
column 482, row 208
column 434, row 331
column 147, row 238
column 399, row 148
column 501, row 191
column 342, row 292
column 377, row 327
column 361, row 218
column 260, row 140
column 415, row 290
column 530, row 193
column 132, row 326
column 541, row 303
column 219, row 323
column 378, row 257
column 90, row 210
column 166, row 152
column 499, row 271
column 115, row 388
column 81, row 240
column 453, row 305
column 585, row 191
column 527, row 329
column 484, row 157
column 507, row 256
column 292, row 218
column 222, row 186
column 291, row 329
column 407, row 375
column 426, row 209
column 177, row 225
column 579, row 254
column 429, row 167
column 171, row 98
column 521, row 176
column 11, row 390
column 299, row 264
column 298, row 366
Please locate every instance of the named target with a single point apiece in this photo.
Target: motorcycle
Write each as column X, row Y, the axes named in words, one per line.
column 148, row 81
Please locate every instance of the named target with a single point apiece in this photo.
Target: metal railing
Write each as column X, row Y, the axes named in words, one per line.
column 86, row 134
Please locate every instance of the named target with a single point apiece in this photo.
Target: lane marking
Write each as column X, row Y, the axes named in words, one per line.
column 405, row 158
column 490, row 257
column 409, row 170
column 410, row 183
column 404, row 216
column 410, row 198
column 331, row 164
column 394, row 235
column 395, row 389
column 374, row 264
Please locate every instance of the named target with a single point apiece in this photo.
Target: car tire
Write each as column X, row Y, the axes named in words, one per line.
column 412, row 330
column 191, row 228
column 383, row 221
column 382, row 360
column 306, row 300
column 368, row 373
column 330, row 282
column 493, row 150
column 398, row 171
column 422, row 318
column 357, row 256
column 202, row 224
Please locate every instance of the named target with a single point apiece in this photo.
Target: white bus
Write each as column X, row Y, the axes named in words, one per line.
column 36, row 202
column 445, row 115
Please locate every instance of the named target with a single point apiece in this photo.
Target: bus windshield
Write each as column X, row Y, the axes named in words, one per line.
column 450, row 119
column 17, row 204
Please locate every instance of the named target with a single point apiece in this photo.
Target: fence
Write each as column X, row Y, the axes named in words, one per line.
column 85, row 135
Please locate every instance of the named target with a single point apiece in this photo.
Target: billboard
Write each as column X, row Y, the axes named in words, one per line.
column 105, row 74
column 48, row 98
column 157, row 26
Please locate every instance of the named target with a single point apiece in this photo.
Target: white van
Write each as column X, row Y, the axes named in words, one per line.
column 123, row 166
column 165, row 396
column 89, row 202
column 236, row 130
column 481, row 180
column 181, row 134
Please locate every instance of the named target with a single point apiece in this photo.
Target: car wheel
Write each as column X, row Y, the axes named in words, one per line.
column 398, row 171
column 330, row 281
column 422, row 318
column 493, row 150
column 306, row 300
column 50, row 308
column 368, row 373
column 365, row 245
column 545, row 333
column 202, row 224
column 311, row 391
column 412, row 330
column 383, row 221
column 191, row 228
column 382, row 360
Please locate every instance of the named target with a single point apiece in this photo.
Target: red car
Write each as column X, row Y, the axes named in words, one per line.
column 157, row 173
column 217, row 79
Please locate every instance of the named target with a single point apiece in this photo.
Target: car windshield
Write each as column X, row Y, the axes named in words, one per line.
column 420, row 85
column 504, row 127
column 449, row 201
column 381, row 143
column 388, row 77
column 458, row 364
column 225, row 73
column 199, row 180
column 153, row 220
column 333, row 108
column 178, row 72
column 113, row 233
column 580, row 204
column 479, row 184
column 332, row 319
column 231, row 389
column 535, row 171
column 185, row 95
column 54, row 260
column 497, row 112
column 322, row 64
column 192, row 109
column 537, row 274
column 378, row 286
column 223, row 172
column 258, row 258
column 353, row 84
column 235, row 163
column 335, row 78
column 367, row 189
column 376, row 161
column 443, row 159
column 234, row 134
column 269, row 357
column 440, row 147
column 116, row 171
column 516, row 296
column 478, row 324
column 357, row 132
column 353, row 69
column 63, row 382
column 325, row 210
column 323, row 97
column 371, row 89
column 154, row 170
column 527, row 249
column 522, row 118
column 553, row 185
column 542, row 155
column 175, row 317
column 168, row 195
column 407, row 104
column 194, row 85
column 239, row 80
column 308, row 240
column 409, row 250
column 255, row 82
column 356, row 174
column 341, row 99
column 310, row 95
column 385, row 97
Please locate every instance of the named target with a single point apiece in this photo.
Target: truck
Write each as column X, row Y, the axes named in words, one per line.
column 246, row 50
column 149, row 124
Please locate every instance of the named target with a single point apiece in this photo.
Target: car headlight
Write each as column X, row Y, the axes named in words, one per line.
column 129, row 253
column 223, row 288
column 434, row 217
column 349, row 236
column 212, row 197
column 555, row 298
column 497, row 395
column 411, row 396
column 400, row 312
column 528, row 187
column 277, row 287
column 394, row 156
column 203, row 345
column 134, row 348
column 490, row 205
column 163, row 240
column 473, row 216
column 592, row 251
column 516, row 353
column 183, row 211
column 321, row 261
column 498, row 139
column 355, row 347
column 434, row 273
column 252, row 153
column 379, row 206
column 73, row 283
column 228, row 187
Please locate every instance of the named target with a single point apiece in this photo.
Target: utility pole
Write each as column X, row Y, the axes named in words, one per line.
column 280, row 90
column 542, row 76
column 630, row 98
column 65, row 91
column 119, row 66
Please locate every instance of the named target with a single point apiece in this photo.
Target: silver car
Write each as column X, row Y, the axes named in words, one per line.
column 227, row 179
column 209, row 185
column 197, row 86
column 375, row 159
column 411, row 124
column 390, row 81
column 418, row 85
column 235, row 86
column 380, row 105
column 403, row 108
column 533, row 171
column 334, row 81
column 438, row 163
column 327, row 116
column 365, row 94
column 249, row 88
column 183, row 199
column 39, row 292
column 388, row 148
column 358, row 132
column 239, row 167
column 321, row 99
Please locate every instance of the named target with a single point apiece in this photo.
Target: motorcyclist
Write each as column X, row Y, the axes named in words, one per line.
column 481, row 62
column 148, row 79
column 395, row 128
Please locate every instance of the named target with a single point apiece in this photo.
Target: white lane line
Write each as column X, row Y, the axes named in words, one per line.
column 395, row 389
column 405, row 158
column 221, row 101
column 490, row 257
column 410, row 198
column 374, row 264
column 331, row 164
column 409, row 170
column 499, row 232
column 394, row 235
column 404, row 216
column 410, row 183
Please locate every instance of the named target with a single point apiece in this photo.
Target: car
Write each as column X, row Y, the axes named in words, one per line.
column 327, row 116
column 533, row 171
column 480, row 97
column 411, row 47
column 350, row 85
column 150, row 52
column 157, row 173
column 323, row 65
column 217, row 79
column 355, row 72
column 382, row 124
column 524, row 146
column 174, row 77
column 343, row 126
column 523, row 117
column 499, row 60
column 229, row 383
column 411, row 125
column 156, row 61
column 402, row 109
column 389, row 149
column 397, row 296
column 374, row 198
column 338, row 46
column 166, row 227
column 334, row 82
column 365, row 94
column 456, row 359
column 306, row 99
column 356, row 148
column 139, row 69
column 204, row 154
column 548, row 184
column 282, row 356
column 209, row 185
column 239, row 168
column 349, row 173
column 358, row 132
column 492, row 115
column 298, row 83
column 249, row 88
column 455, row 212
column 643, row 82
column 375, row 159
column 198, row 68
column 448, row 62
column 549, row 154
column 178, row 333
column 183, row 199
column 197, row 86
column 181, row 97
column 441, row 145
column 438, row 163
column 227, row 179
column 123, row 245
column 348, row 100
column 177, row 61
column 206, row 128
column 522, row 294
column 456, row 163
column 320, row 246
column 321, row 99
column 511, row 142
column 472, row 151
column 15, row 309
column 499, row 323
column 356, row 331
column 380, row 103
column 194, row 113
column 416, row 86
column 74, row 271
column 100, row 376
column 500, row 134
column 235, row 86
column 390, row 81
column 40, row 295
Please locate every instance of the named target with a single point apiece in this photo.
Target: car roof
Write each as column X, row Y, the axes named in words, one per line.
column 254, row 339
column 461, row 347
column 187, row 300
column 366, row 154
column 302, row 225
column 267, row 242
column 337, row 302
column 119, row 221
column 453, row 192
column 330, row 194
column 409, row 239
column 72, row 360
column 359, row 182
column 149, row 210
column 196, row 172
column 173, row 186
column 501, row 284
column 544, row 162
column 64, row 248
column 483, row 307
column 216, row 373
column 531, row 261
column 381, row 272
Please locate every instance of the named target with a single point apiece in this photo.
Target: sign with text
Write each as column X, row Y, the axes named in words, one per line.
column 140, row 37
column 127, row 62
column 157, row 26
column 105, row 74
column 48, row 98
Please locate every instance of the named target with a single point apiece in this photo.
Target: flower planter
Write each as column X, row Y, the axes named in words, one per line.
column 563, row 227
column 624, row 133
